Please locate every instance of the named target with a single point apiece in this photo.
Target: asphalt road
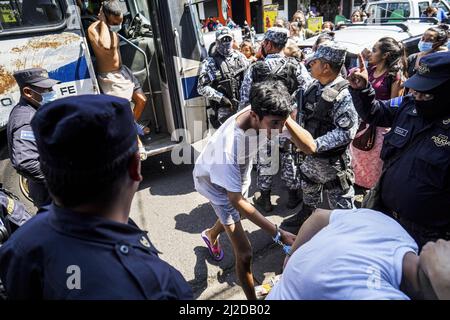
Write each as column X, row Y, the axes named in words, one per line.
column 174, row 214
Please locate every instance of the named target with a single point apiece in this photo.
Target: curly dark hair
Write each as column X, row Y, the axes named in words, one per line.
column 271, row 98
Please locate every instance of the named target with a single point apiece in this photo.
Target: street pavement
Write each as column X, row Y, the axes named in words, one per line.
column 174, row 214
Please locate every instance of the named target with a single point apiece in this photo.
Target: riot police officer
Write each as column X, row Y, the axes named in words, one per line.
column 328, row 114
column 221, row 76
column 35, row 90
column 415, row 185
column 84, row 245
column 295, row 76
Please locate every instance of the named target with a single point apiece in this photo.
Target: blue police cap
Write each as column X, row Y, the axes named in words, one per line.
column 224, row 32
column 331, row 52
column 84, row 133
column 434, row 70
column 37, row 77
column 277, row 35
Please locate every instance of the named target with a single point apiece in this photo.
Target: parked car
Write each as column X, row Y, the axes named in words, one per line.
column 392, row 9
column 356, row 37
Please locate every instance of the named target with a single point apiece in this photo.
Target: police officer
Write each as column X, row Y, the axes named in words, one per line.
column 221, row 76
column 84, row 245
column 415, row 187
column 35, row 90
column 295, row 76
column 328, row 114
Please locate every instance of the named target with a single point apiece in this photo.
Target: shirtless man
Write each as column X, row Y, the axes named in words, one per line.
column 113, row 77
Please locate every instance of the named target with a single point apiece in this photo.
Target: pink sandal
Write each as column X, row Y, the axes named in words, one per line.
column 215, row 251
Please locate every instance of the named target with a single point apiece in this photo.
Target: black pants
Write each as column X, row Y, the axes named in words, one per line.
column 422, row 234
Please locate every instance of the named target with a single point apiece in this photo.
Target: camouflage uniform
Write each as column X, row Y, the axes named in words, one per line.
column 329, row 168
column 272, row 60
column 288, row 168
column 218, row 68
column 288, row 165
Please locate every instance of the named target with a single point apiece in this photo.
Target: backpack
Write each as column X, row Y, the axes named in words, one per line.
column 284, row 71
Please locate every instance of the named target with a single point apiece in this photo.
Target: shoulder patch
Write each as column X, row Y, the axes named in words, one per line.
column 344, row 121
column 27, row 135
column 396, row 102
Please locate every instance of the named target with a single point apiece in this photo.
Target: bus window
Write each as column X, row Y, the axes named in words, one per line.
column 15, row 14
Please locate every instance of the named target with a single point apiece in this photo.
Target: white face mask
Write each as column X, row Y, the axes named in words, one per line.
column 115, row 28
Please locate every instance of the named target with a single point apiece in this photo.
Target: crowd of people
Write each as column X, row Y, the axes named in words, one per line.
column 377, row 128
column 382, row 127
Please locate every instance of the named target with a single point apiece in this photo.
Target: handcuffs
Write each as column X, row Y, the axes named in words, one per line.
column 277, row 240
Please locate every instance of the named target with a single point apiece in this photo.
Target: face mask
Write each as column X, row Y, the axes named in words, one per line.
column 86, row 4
column 46, row 97
column 425, row 46
column 115, row 28
column 426, row 109
column 432, row 110
column 225, row 48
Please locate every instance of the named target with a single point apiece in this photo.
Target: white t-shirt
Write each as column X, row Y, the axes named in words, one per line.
column 358, row 256
column 225, row 162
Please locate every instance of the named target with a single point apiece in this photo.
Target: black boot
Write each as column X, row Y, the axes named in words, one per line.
column 297, row 220
column 293, row 200
column 263, row 201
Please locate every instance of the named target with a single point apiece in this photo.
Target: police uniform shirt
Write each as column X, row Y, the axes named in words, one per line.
column 417, row 185
column 209, row 73
column 21, row 142
column 60, row 254
column 272, row 60
column 344, row 116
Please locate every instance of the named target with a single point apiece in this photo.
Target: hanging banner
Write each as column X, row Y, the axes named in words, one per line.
column 315, row 24
column 270, row 15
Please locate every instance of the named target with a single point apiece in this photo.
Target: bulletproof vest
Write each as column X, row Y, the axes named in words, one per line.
column 317, row 114
column 283, row 71
column 229, row 75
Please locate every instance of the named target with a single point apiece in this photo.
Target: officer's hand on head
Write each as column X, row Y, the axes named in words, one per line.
column 359, row 77
column 226, row 103
column 287, row 237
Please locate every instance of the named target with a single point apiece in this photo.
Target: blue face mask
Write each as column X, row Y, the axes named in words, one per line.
column 115, row 28
column 48, row 97
column 425, row 46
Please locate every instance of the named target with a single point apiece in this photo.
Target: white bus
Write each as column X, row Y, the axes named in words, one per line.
column 160, row 42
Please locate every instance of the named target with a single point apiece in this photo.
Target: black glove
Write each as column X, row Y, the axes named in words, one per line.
column 226, row 103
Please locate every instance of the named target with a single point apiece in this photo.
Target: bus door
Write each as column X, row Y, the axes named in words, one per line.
column 182, row 50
